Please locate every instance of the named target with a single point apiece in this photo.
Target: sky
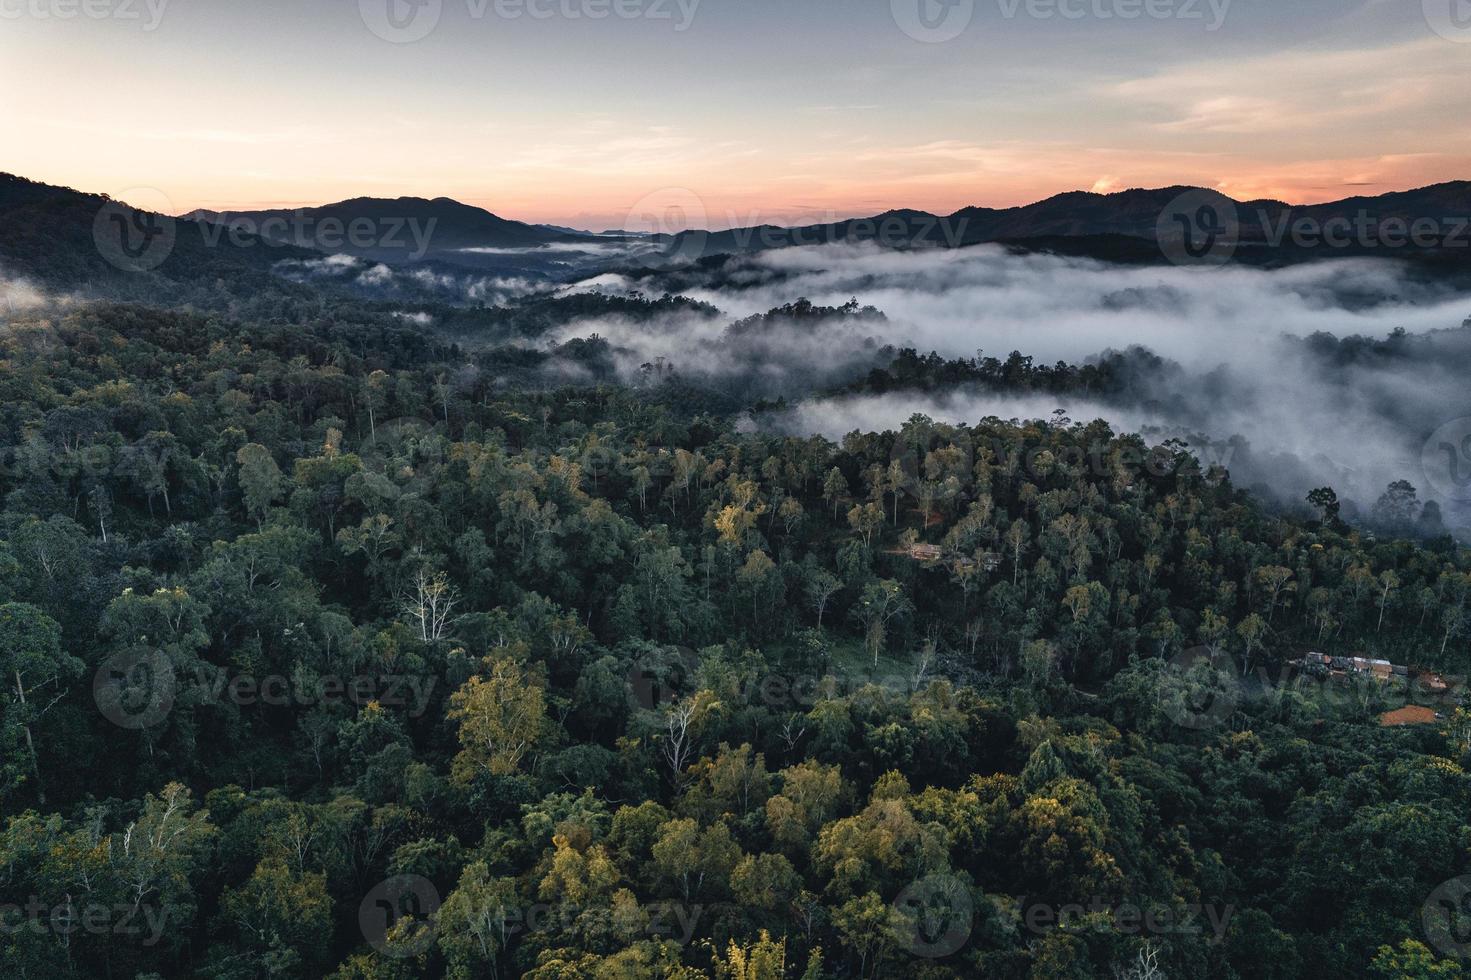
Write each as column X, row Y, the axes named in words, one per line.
column 608, row 113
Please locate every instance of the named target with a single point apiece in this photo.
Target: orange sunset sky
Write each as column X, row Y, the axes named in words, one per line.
column 761, row 111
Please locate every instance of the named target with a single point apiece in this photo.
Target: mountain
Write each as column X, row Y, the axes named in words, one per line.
column 65, row 240
column 605, row 233
column 403, row 229
column 1082, row 222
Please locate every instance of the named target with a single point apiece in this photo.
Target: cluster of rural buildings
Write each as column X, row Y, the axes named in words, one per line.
column 988, row 560
column 1431, row 685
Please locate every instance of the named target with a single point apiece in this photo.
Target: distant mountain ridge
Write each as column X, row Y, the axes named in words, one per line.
column 1133, row 213
column 57, row 238
column 1113, row 225
column 48, row 233
column 393, row 228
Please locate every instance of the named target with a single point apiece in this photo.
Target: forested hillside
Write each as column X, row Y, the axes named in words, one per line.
column 331, row 649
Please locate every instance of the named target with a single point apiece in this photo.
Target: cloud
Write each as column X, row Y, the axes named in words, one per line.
column 1307, row 95
column 20, row 296
column 423, row 283
column 1250, row 353
column 378, row 275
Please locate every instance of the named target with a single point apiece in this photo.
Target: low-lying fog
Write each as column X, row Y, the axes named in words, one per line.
column 1309, row 413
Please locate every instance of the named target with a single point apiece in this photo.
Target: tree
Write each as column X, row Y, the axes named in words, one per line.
column 897, row 481
column 476, row 922
column 834, row 489
column 157, row 855
column 821, row 586
column 279, row 916
column 1412, row 960
column 687, row 855
column 1388, row 582
column 1017, row 538
column 429, row 603
column 1397, row 508
column 375, row 396
column 880, row 603
column 766, row 882
column 37, row 676
column 1326, row 501
column 864, row 922
column 642, row 480
column 760, row 579
column 260, row 479
column 680, row 722
column 1252, row 630
column 791, row 514
column 765, row 959
column 866, row 519
column 1274, row 578
column 502, row 716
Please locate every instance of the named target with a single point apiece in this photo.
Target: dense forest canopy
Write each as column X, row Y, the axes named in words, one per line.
column 336, row 644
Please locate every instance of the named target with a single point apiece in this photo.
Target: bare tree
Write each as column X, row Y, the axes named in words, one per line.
column 679, row 741
column 821, row 586
column 430, row 603
column 792, row 731
column 1145, row 966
